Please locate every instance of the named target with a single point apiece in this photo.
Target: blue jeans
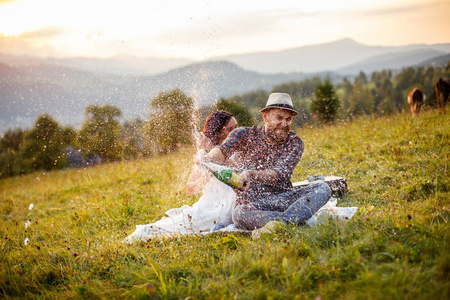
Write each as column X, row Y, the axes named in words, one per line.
column 295, row 206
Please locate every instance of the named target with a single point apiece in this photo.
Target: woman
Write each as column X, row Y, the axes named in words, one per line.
column 218, row 126
column 217, row 201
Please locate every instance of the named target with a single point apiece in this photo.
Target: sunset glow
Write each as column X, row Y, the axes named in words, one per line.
column 202, row 29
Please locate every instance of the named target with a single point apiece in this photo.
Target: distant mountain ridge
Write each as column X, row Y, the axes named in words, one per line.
column 322, row 57
column 393, row 61
column 345, row 55
column 64, row 88
column 118, row 65
column 438, row 61
column 122, row 65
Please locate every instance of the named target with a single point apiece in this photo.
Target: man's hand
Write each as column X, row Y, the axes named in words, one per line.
column 246, row 178
column 263, row 176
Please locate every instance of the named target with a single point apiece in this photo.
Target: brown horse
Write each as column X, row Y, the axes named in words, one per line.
column 416, row 99
column 442, row 92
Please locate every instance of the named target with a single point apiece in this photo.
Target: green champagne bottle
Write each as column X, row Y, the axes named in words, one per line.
column 224, row 174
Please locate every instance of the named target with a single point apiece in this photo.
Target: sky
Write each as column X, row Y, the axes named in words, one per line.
column 201, row 29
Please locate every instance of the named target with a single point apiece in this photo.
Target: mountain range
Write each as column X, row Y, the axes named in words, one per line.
column 345, row 56
column 63, row 88
column 27, row 91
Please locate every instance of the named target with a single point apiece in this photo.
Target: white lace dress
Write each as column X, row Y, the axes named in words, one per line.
column 214, row 206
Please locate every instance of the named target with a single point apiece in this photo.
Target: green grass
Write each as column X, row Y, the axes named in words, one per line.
column 396, row 246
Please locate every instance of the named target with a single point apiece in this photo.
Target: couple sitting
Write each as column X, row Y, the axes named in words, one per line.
column 265, row 157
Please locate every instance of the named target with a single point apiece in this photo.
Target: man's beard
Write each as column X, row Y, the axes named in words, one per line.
column 278, row 135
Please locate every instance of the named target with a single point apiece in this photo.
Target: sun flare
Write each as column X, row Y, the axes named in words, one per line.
column 17, row 17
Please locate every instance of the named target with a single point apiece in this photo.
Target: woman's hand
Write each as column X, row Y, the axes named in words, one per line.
column 203, row 142
column 200, row 156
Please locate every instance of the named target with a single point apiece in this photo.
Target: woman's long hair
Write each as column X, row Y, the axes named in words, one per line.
column 214, row 124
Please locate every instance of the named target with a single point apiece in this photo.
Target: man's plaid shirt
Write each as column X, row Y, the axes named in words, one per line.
column 256, row 153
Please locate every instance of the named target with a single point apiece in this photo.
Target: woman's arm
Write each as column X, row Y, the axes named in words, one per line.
column 215, row 156
column 203, row 142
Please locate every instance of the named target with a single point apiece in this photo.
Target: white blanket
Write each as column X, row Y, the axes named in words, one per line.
column 216, row 206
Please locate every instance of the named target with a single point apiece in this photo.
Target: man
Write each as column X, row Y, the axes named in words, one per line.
column 268, row 157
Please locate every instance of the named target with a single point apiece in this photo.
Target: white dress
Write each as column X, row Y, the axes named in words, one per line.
column 214, row 206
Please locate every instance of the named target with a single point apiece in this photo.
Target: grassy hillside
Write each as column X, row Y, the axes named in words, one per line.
column 69, row 243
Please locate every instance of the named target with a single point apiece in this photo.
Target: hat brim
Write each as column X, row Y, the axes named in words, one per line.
column 285, row 108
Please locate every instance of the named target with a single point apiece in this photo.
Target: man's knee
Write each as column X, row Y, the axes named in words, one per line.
column 241, row 216
column 326, row 188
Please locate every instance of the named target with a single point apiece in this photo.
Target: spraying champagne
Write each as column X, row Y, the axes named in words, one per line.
column 224, row 174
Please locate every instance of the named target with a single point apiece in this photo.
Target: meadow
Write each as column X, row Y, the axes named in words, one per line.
column 61, row 232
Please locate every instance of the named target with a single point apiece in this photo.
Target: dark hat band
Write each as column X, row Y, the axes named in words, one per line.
column 280, row 106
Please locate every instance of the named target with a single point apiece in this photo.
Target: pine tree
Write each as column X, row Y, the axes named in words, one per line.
column 326, row 103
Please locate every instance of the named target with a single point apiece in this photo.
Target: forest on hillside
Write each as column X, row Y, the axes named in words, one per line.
column 174, row 118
